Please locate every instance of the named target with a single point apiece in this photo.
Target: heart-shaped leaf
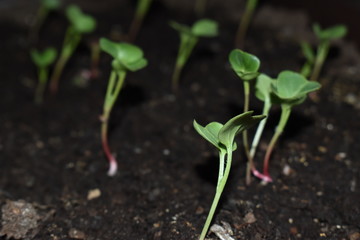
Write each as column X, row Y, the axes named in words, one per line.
column 45, row 58
column 237, row 125
column 334, row 32
column 263, row 87
column 244, row 64
column 126, row 56
column 205, row 28
column 82, row 23
column 291, row 86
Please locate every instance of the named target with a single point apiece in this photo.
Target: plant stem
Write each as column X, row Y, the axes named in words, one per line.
column 246, row 108
column 256, row 140
column 285, row 113
column 71, row 41
column 187, row 44
column 244, row 23
column 219, row 190
column 322, row 53
column 95, row 56
column 116, row 81
column 140, row 13
column 39, row 92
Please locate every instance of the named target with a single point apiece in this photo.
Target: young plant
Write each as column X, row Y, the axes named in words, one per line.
column 289, row 89
column 142, row 9
column 46, row 6
column 189, row 36
column 42, row 60
column 80, row 24
column 246, row 66
column 223, row 138
column 325, row 36
column 126, row 57
column 263, row 93
column 244, row 23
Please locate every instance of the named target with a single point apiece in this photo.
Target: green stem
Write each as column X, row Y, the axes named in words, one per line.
column 140, row 13
column 71, row 41
column 244, row 23
column 285, row 113
column 219, row 190
column 40, row 88
column 256, row 140
column 115, row 84
column 187, row 44
column 246, row 108
column 322, row 53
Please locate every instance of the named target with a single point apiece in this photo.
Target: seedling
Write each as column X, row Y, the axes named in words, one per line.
column 289, row 89
column 142, row 9
column 126, row 57
column 263, row 92
column 189, row 36
column 46, row 6
column 42, row 60
column 246, row 66
column 244, row 23
column 223, row 138
column 80, row 24
column 325, row 36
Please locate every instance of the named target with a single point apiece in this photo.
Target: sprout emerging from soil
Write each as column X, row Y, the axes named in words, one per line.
column 189, row 36
column 142, row 9
column 45, row 8
column 80, row 23
column 325, row 36
column 42, row 60
column 126, row 57
column 244, row 23
column 289, row 89
column 246, row 66
column 223, row 138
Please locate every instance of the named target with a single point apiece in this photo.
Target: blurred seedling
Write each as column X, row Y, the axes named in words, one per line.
column 42, row 60
column 223, row 138
column 142, row 8
column 288, row 90
column 325, row 36
column 80, row 24
column 46, row 6
column 246, row 66
column 189, row 36
column 126, row 57
column 244, row 23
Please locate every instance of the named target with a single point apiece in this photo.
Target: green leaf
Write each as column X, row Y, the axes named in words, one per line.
column 237, row 125
column 244, row 64
column 263, row 87
column 334, row 32
column 205, row 28
column 126, row 56
column 51, row 4
column 44, row 58
column 81, row 22
column 210, row 132
column 291, row 86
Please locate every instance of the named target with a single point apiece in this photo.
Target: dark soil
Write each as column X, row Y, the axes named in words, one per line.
column 51, row 155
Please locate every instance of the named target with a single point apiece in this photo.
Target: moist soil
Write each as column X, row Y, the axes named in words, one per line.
column 51, row 155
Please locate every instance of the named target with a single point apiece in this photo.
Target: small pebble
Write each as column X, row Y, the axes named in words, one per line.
column 76, row 234
column 93, row 193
